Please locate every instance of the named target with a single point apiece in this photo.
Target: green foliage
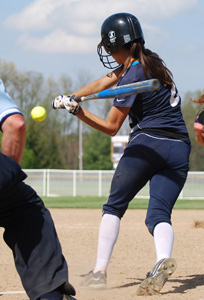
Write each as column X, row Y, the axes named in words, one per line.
column 97, row 147
column 28, row 160
column 43, row 140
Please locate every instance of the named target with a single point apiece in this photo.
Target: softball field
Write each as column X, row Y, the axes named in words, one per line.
column 132, row 258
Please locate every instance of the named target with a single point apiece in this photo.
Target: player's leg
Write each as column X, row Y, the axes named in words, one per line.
column 163, row 239
column 165, row 187
column 159, row 224
column 108, row 234
column 134, row 170
column 31, row 234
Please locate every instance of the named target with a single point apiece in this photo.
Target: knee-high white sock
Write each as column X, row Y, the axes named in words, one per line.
column 108, row 234
column 163, row 240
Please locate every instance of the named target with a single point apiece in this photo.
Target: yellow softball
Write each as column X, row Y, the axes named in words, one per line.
column 38, row 113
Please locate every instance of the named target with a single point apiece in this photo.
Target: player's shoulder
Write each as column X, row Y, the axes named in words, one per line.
column 133, row 74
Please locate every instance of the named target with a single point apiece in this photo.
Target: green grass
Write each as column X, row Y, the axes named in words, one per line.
column 97, row 202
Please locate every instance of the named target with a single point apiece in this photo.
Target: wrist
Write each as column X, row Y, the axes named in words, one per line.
column 77, row 110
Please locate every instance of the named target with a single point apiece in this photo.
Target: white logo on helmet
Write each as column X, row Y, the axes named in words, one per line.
column 112, row 36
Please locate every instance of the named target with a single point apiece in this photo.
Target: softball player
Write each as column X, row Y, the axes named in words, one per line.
column 157, row 152
column 29, row 229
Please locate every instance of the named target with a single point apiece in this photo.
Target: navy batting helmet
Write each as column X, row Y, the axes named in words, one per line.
column 116, row 31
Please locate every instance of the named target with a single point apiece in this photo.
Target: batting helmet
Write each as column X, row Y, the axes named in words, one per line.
column 116, row 31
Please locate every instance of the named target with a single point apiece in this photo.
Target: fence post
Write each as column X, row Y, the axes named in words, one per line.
column 44, row 182
column 48, row 183
column 100, row 183
column 74, row 183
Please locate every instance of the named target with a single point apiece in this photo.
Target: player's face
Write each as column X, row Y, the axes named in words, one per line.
column 121, row 55
column 117, row 58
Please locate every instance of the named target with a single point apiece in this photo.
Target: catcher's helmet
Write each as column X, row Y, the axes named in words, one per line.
column 116, row 31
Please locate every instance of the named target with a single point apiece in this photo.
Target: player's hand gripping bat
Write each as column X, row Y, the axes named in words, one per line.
column 116, row 91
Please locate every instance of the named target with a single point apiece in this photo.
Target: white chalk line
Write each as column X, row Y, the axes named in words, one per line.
column 11, row 292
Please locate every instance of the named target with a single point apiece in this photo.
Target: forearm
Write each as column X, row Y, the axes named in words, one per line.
column 14, row 137
column 99, row 85
column 116, row 115
column 110, row 126
column 94, row 121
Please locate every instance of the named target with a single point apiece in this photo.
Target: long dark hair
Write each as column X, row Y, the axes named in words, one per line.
column 151, row 63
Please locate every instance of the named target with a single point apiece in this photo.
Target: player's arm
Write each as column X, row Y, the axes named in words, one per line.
column 199, row 133
column 109, row 126
column 100, row 84
column 14, row 137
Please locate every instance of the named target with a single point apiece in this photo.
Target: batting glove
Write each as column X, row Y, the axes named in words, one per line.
column 58, row 102
column 71, row 106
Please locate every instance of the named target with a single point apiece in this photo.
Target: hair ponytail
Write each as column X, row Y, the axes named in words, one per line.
column 151, row 63
column 154, row 65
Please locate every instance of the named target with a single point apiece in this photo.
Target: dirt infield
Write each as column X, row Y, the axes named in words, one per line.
column 132, row 258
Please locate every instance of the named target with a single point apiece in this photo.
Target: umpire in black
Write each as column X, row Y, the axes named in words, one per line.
column 29, row 229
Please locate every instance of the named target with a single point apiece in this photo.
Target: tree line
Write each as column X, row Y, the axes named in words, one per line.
column 55, row 142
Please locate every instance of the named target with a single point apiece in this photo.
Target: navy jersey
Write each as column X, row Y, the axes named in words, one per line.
column 156, row 111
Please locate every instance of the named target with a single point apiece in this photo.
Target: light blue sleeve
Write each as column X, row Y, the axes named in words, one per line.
column 7, row 105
